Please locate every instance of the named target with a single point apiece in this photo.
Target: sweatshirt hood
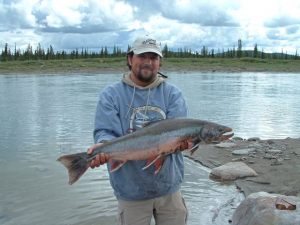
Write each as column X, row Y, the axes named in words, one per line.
column 126, row 79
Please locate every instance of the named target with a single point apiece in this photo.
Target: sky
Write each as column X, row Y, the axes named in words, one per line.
column 274, row 25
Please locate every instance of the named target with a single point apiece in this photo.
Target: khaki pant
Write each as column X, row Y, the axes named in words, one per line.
column 166, row 210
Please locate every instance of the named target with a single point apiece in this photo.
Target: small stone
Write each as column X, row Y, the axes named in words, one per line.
column 252, row 155
column 225, row 145
column 239, row 159
column 236, row 159
column 254, row 139
column 237, row 139
column 274, row 151
column 245, row 151
column 276, row 163
column 269, row 156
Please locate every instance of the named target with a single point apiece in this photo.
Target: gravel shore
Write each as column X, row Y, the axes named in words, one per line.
column 276, row 161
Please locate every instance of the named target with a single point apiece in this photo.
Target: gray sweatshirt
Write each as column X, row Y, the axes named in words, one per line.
column 124, row 107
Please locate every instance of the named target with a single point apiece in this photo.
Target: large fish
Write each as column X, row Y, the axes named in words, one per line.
column 151, row 143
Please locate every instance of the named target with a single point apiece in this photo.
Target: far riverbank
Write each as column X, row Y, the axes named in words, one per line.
column 118, row 65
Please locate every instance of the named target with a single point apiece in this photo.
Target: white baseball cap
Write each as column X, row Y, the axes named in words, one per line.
column 146, row 44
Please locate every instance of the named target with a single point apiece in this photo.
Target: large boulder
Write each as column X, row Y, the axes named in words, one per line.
column 262, row 208
column 232, row 171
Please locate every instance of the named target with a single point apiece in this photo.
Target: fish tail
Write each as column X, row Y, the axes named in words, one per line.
column 76, row 165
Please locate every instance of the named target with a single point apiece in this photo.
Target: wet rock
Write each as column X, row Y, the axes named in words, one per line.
column 252, row 155
column 237, row 139
column 256, row 145
column 276, row 163
column 225, row 145
column 239, row 159
column 274, row 151
column 262, row 208
column 270, row 156
column 232, row 171
column 254, row 139
column 245, row 151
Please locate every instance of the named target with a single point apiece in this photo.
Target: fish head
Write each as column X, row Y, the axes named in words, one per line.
column 215, row 133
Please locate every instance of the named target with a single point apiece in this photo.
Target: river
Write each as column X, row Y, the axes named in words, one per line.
column 45, row 116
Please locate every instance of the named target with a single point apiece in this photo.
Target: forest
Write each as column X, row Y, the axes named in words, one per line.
column 40, row 53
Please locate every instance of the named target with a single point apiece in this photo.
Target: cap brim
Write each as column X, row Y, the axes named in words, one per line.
column 144, row 50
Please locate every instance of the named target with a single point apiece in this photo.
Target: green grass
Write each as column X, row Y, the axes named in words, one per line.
column 238, row 65
column 168, row 64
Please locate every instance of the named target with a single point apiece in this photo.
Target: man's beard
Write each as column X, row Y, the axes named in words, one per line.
column 148, row 77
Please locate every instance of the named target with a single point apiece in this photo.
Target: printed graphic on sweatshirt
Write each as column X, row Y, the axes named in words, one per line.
column 145, row 114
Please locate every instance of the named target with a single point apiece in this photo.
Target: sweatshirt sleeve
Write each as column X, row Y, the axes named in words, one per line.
column 107, row 121
column 177, row 105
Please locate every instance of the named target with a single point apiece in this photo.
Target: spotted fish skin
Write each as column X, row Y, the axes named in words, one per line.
column 151, row 143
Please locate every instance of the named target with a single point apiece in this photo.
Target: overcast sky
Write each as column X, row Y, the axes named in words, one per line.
column 274, row 25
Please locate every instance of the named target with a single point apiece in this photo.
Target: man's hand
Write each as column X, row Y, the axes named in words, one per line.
column 100, row 159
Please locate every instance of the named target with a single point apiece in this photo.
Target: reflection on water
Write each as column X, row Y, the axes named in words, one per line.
column 43, row 117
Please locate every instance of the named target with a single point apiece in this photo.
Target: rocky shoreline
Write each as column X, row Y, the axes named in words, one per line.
column 276, row 161
column 264, row 170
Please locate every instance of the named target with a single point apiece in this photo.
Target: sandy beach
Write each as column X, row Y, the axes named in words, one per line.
column 276, row 161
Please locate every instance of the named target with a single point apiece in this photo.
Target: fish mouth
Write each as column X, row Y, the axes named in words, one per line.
column 225, row 135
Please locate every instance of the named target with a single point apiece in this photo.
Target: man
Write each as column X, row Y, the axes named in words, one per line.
column 141, row 97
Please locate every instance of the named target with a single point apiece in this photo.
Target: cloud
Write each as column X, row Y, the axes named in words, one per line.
column 14, row 14
column 276, row 34
column 71, row 24
column 283, row 21
column 189, row 35
column 66, row 16
column 205, row 13
column 292, row 29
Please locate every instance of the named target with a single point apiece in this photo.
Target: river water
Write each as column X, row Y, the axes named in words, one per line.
column 42, row 117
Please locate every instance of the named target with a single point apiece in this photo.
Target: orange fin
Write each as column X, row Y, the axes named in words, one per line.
column 115, row 165
column 151, row 161
column 158, row 164
column 193, row 149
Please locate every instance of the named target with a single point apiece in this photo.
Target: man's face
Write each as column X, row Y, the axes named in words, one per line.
column 145, row 66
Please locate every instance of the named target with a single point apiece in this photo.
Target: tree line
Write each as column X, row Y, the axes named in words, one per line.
column 40, row 53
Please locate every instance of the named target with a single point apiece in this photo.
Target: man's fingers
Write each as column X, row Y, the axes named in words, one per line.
column 92, row 164
column 90, row 151
column 102, row 158
column 99, row 159
column 92, row 148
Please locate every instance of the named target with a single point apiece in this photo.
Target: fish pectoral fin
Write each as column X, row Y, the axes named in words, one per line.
column 193, row 149
column 115, row 165
column 157, row 161
column 151, row 161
